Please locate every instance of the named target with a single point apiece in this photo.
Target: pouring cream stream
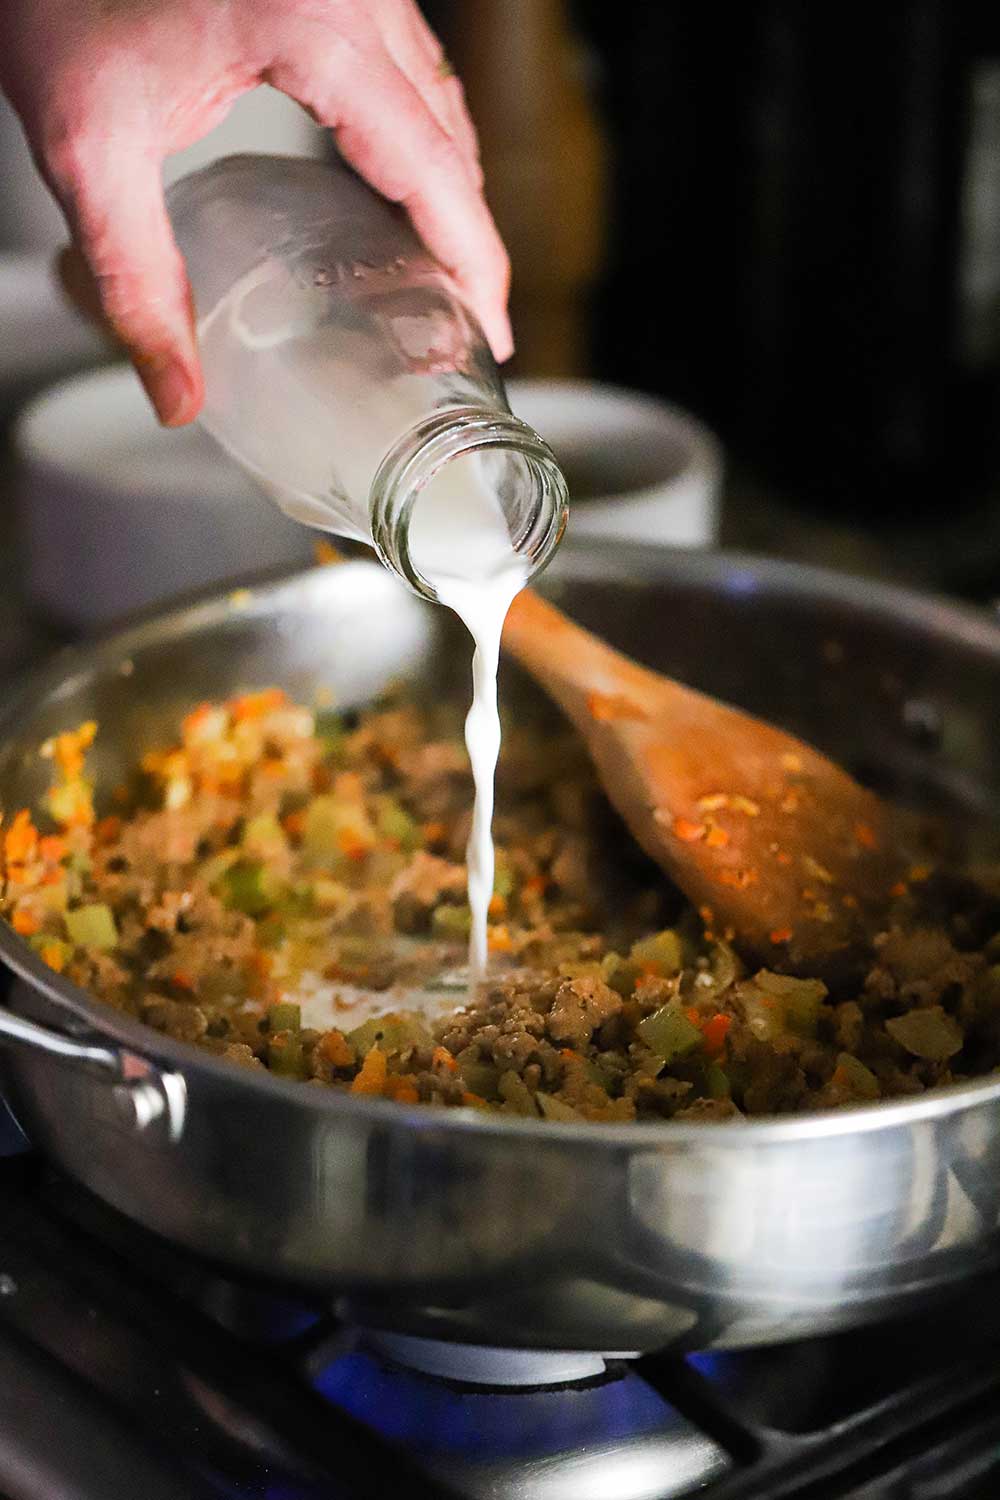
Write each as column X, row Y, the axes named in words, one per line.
column 460, row 543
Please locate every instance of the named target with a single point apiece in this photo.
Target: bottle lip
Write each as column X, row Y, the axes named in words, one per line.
column 421, row 453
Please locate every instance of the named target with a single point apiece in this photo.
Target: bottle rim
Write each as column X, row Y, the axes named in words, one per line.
column 440, row 439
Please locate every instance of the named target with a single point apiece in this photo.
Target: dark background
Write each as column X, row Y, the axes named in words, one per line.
column 799, row 226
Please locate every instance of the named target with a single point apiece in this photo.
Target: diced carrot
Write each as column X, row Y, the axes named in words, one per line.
column 899, row 889
column 780, row 935
column 499, row 940
column 25, row 922
column 534, row 886
column 434, row 833
column 688, row 832
column 693, row 1016
column 54, row 955
column 717, row 837
column 335, row 1047
column 192, row 722
column 442, row 1058
column 783, row 858
column 715, row 1032
column 474, row 1101
column 401, row 1088
column 294, row 823
column 261, row 963
column 181, row 981
column 497, row 906
column 256, row 705
column 67, row 750
column 52, row 848
column 864, row 834
column 351, row 845
column 568, row 1054
column 374, row 1070
column 21, row 839
column 107, row 830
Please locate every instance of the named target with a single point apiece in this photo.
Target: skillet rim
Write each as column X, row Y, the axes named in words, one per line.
column 629, row 564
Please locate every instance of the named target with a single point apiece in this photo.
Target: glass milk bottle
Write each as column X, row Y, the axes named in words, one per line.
column 343, row 370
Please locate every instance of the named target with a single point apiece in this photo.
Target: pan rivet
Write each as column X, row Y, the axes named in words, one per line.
column 139, row 1104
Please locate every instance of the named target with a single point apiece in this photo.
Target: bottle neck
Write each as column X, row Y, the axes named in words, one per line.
column 524, row 475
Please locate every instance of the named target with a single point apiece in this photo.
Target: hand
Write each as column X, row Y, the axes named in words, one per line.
column 107, row 88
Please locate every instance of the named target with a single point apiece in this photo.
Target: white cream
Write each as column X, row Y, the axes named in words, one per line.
column 459, row 542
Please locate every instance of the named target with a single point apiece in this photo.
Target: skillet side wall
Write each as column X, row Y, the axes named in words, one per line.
column 620, row 1238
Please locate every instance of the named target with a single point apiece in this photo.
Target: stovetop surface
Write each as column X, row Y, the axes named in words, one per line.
column 130, row 1371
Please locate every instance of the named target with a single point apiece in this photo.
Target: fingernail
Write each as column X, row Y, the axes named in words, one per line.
column 502, row 340
column 170, row 388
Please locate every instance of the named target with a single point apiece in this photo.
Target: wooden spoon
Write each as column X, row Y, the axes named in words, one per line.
column 780, row 850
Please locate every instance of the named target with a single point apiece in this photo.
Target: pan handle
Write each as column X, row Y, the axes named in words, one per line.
column 143, row 1095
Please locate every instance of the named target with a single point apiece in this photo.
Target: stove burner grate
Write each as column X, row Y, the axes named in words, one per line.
column 128, row 1369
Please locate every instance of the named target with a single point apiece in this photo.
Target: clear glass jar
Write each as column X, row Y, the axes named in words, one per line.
column 342, row 368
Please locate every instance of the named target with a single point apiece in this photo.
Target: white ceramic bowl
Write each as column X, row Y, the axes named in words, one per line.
column 117, row 514
column 41, row 336
column 638, row 468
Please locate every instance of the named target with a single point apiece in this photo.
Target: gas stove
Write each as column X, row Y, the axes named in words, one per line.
column 130, row 1370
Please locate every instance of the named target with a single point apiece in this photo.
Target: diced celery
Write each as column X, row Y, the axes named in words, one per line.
column 669, row 1033
column 663, row 951
column 264, row 836
column 555, row 1109
column 503, row 878
column 930, row 1033
column 333, row 826
column 515, row 1092
column 620, row 974
column 285, row 1016
column 92, row 926
column 479, row 1077
column 392, row 1032
column 860, row 1080
column 326, row 895
column 270, row 932
column 249, row 887
column 284, row 1054
column 331, row 732
column 395, row 824
column 724, row 967
column 717, row 1082
column 764, row 1013
column 799, row 1001
column 451, row 921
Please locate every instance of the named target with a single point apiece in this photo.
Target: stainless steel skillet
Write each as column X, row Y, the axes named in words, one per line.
column 502, row 1231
